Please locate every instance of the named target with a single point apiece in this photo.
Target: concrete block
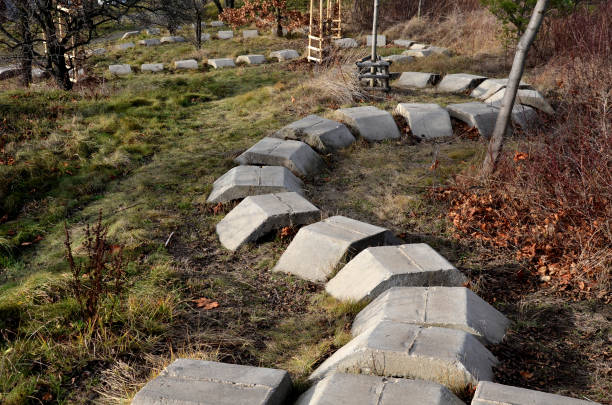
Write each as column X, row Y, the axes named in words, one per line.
column 258, row 215
column 418, row 53
column 418, row 80
column 120, row 70
column 377, row 269
column 225, row 34
column 285, row 54
column 150, row 42
column 449, row 357
column 186, row 64
column 418, row 46
column 152, row 31
column 522, row 115
column 346, row 43
column 251, row 59
column 130, row 34
column 440, row 51
column 478, row 115
column 406, row 43
column 398, row 58
column 243, row 181
column 491, row 86
column 459, row 82
column 426, row 121
column 205, row 37
column 123, row 47
column 250, row 34
column 323, row 135
column 318, row 249
column 369, row 122
column 200, row 382
column 152, row 67
column 532, row 98
column 217, row 24
column 444, row 307
column 294, row 155
column 6, row 72
column 354, row 389
column 95, row 51
column 172, row 39
column 381, row 40
column 489, row 393
column 41, row 73
column 221, row 63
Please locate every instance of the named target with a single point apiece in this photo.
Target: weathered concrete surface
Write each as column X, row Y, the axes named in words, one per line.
column 152, row 31
column 294, row 155
column 205, row 37
column 123, row 47
column 459, row 82
column 6, row 72
column 150, row 42
column 346, row 43
column 318, row 249
column 258, row 215
column 369, row 122
column 491, row 86
column 251, row 59
column 417, row 80
column 321, row 134
column 200, row 382
column 444, row 307
column 398, row 58
column 186, row 64
column 355, row 389
column 418, row 53
column 225, row 34
column 152, row 67
column 522, row 115
column 528, row 97
column 120, row 70
column 478, row 115
column 426, row 121
column 449, row 357
column 377, row 269
column 285, row 54
column 130, row 34
column 250, row 34
column 440, row 50
column 406, row 43
column 381, row 40
column 172, row 39
column 217, row 24
column 243, row 181
column 38, row 73
column 489, row 393
column 95, row 51
column 221, row 63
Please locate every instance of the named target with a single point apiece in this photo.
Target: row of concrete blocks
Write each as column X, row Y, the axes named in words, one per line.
column 157, row 31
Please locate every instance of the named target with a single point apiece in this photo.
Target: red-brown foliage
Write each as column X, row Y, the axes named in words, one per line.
column 264, row 13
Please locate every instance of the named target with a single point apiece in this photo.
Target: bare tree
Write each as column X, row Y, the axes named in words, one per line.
column 516, row 73
column 17, row 25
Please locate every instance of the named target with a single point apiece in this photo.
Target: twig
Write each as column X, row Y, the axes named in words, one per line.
column 168, row 240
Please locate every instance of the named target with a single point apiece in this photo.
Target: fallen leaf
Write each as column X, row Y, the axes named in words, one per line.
column 206, row 303
column 526, row 374
column 47, row 397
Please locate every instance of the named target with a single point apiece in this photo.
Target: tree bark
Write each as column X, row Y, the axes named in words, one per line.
column 27, row 51
column 219, row 6
column 279, row 26
column 516, row 73
column 198, row 30
column 59, row 70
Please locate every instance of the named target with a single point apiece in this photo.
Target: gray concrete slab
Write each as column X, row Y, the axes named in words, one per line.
column 532, row 98
column 172, row 39
column 95, row 51
column 318, row 249
column 205, row 37
column 186, row 64
column 418, row 53
column 426, row 121
column 489, row 393
column 398, row 58
column 152, row 67
column 199, row 382
column 323, row 135
column 355, row 389
column 6, row 72
column 369, row 122
column 450, row 357
column 459, row 82
column 381, row 40
column 217, row 24
column 440, row 50
column 406, row 43
column 285, row 54
column 491, row 86
column 478, row 115
column 243, row 181
column 120, row 70
column 377, row 269
column 419, row 46
column 149, row 42
column 130, row 34
column 250, row 34
column 418, row 80
column 152, row 31
column 296, row 156
column 346, row 43
column 444, row 307
column 259, row 215
column 251, row 59
column 220, row 63
column 225, row 34
column 123, row 47
column 522, row 115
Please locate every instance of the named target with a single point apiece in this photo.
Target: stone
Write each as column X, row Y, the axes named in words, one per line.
column 377, row 269
column 172, row 39
column 294, row 155
column 355, row 389
column 225, row 34
column 398, row 58
column 217, row 24
column 323, row 135
column 477, row 115
column 285, row 54
column 243, row 181
column 418, row 53
column 221, row 63
column 491, row 86
column 406, row 43
column 346, row 43
column 152, row 67
column 426, row 121
column 418, row 46
column 250, row 34
column 130, row 34
column 318, row 249
column 444, row 307
column 251, row 59
column 199, row 382
column 186, row 64
column 258, row 215
column 152, row 31
column 459, row 82
column 489, row 393
column 6, row 72
column 440, row 51
column 150, row 42
column 418, row 80
column 381, row 40
column 369, row 122
column 120, row 70
column 532, row 98
column 123, row 47
column 450, row 357
column 204, row 37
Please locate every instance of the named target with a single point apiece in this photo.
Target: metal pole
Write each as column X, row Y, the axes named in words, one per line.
column 374, row 41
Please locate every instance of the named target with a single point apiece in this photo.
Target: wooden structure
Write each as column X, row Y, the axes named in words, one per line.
column 325, row 25
column 373, row 68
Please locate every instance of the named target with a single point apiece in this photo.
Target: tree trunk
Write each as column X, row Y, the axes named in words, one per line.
column 279, row 26
column 516, row 73
column 59, row 70
column 26, row 53
column 219, row 6
column 198, row 30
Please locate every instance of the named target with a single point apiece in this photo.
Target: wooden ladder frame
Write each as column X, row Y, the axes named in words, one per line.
column 328, row 27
